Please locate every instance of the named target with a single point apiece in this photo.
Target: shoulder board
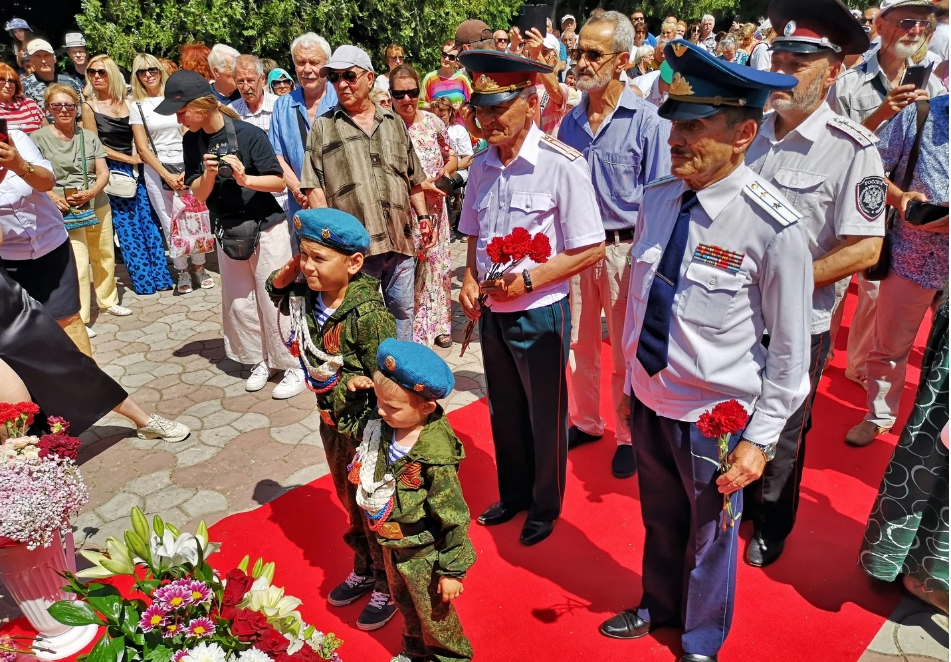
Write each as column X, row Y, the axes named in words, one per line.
column 853, row 129
column 660, row 180
column 561, row 147
column 772, row 201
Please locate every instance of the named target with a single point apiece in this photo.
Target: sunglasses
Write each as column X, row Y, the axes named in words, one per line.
column 591, row 55
column 397, row 58
column 502, row 41
column 97, row 72
column 63, row 106
column 638, row 19
column 281, row 83
column 912, row 23
column 452, row 57
column 350, row 76
column 151, row 71
column 402, row 94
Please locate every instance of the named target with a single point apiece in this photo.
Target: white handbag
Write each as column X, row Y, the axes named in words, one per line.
column 121, row 184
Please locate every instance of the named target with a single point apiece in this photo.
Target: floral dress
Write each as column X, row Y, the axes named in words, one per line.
column 433, row 315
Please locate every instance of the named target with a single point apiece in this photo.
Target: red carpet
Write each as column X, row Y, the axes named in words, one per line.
column 545, row 603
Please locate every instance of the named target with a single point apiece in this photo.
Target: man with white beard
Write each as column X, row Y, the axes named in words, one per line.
column 828, row 168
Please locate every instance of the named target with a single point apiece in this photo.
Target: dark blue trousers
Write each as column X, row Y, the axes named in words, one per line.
column 525, row 355
column 689, row 573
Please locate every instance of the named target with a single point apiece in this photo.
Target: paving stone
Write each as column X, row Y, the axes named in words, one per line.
column 204, row 502
column 306, row 475
column 218, row 436
column 204, row 409
column 197, row 377
column 219, row 418
column 249, row 421
column 134, row 381
column 86, row 524
column 173, row 516
column 196, row 454
column 119, row 506
column 149, row 483
column 167, row 497
column 290, row 434
column 130, row 359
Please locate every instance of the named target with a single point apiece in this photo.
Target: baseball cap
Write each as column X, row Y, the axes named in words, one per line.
column 17, row 24
column 38, row 45
column 568, row 17
column 551, row 42
column 888, row 5
column 471, row 31
column 180, row 88
column 74, row 40
column 347, row 56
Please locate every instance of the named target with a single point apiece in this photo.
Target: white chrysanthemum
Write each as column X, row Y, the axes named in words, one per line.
column 253, row 655
column 205, row 652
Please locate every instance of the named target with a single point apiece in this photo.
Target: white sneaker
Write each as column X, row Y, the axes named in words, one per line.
column 159, row 427
column 291, row 385
column 91, row 332
column 118, row 311
column 259, row 376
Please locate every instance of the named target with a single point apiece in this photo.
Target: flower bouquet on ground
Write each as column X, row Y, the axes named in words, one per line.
column 505, row 253
column 182, row 610
column 722, row 422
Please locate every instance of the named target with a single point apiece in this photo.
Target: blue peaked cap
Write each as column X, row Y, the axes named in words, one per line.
column 415, row 367
column 333, row 228
column 703, row 85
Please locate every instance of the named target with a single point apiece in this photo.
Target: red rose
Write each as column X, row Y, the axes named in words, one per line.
column 496, row 251
column 541, row 248
column 306, row 654
column 272, row 642
column 248, row 625
column 284, row 657
column 237, row 584
column 726, row 418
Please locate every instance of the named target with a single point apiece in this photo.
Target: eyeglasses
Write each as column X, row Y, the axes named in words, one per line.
column 151, row 71
column 349, row 75
column 402, row 94
column 397, row 58
column 912, row 23
column 97, row 72
column 8, row 81
column 591, row 55
column 63, row 106
column 638, row 19
column 385, row 103
column 452, row 57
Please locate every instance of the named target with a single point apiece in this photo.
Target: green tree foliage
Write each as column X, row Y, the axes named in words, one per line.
column 123, row 28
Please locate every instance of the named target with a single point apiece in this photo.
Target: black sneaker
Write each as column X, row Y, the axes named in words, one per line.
column 578, row 437
column 350, row 589
column 377, row 613
column 623, row 465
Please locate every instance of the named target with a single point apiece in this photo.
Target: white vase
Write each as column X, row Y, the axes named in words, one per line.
column 32, row 579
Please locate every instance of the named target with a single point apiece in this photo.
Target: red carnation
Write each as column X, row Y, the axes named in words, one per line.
column 496, row 251
column 726, row 418
column 518, row 244
column 59, row 444
column 272, row 642
column 237, row 584
column 58, row 424
column 249, row 625
column 541, row 248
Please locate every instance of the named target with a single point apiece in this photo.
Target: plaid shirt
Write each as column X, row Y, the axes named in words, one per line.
column 262, row 120
column 35, row 89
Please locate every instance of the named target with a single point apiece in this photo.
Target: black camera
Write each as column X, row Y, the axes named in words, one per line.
column 224, row 169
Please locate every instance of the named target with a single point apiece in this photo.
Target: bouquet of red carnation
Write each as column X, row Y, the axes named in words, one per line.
column 725, row 420
column 505, row 253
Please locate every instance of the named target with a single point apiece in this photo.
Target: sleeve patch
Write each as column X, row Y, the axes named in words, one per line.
column 870, row 197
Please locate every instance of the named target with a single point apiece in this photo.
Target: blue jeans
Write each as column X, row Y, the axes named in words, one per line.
column 396, row 274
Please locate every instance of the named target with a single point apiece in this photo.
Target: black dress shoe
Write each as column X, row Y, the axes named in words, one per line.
column 497, row 513
column 535, row 530
column 626, row 625
column 623, row 464
column 577, row 437
column 761, row 552
column 693, row 657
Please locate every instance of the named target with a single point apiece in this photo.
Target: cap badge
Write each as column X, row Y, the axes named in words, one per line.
column 297, row 223
column 390, row 363
column 789, row 29
column 418, row 388
column 679, row 87
column 325, row 233
column 679, row 49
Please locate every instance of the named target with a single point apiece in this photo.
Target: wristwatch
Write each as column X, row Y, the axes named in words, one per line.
column 528, row 281
column 420, row 217
column 768, row 450
column 29, row 169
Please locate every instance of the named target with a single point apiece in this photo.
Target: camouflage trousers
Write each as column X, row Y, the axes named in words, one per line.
column 367, row 553
column 431, row 627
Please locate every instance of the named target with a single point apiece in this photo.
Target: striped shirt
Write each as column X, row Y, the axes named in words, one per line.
column 397, row 452
column 456, row 88
column 321, row 312
column 22, row 114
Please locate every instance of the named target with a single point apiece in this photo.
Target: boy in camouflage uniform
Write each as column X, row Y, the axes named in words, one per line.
column 406, row 475
column 338, row 320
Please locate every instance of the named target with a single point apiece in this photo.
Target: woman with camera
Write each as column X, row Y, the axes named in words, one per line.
column 230, row 165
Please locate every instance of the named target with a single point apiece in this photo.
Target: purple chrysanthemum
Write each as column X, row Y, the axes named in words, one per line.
column 200, row 627
column 198, row 592
column 172, row 597
column 172, row 629
column 154, row 617
column 178, row 655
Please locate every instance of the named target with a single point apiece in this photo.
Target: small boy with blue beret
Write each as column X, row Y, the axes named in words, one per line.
column 337, row 322
column 406, row 473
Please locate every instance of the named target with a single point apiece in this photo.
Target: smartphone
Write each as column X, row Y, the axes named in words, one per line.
column 917, row 75
column 922, row 213
column 70, row 191
column 4, row 133
column 533, row 16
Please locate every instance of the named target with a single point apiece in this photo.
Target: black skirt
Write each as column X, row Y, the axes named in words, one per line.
column 62, row 380
column 51, row 279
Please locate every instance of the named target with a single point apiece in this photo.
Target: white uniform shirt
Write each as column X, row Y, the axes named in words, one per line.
column 829, row 170
column 720, row 312
column 30, row 221
column 546, row 188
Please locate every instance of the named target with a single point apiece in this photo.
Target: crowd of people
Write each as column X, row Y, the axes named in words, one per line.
column 709, row 194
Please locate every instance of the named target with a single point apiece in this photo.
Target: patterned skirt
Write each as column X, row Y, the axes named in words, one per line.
column 907, row 530
column 139, row 237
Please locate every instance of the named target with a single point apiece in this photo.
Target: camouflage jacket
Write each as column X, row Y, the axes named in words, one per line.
column 428, row 489
column 364, row 322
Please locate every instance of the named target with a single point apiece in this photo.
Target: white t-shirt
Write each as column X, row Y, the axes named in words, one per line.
column 460, row 140
column 165, row 130
column 645, row 81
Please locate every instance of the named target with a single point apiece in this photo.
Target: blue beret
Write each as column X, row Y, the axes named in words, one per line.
column 333, row 228
column 703, row 85
column 415, row 367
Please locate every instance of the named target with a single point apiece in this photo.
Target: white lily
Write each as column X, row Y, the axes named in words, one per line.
column 169, row 551
column 270, row 601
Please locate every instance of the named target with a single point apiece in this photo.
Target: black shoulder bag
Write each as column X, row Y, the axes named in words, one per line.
column 880, row 269
column 240, row 240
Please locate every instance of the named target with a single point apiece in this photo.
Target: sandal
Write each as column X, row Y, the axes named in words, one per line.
column 204, row 278
column 443, row 341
